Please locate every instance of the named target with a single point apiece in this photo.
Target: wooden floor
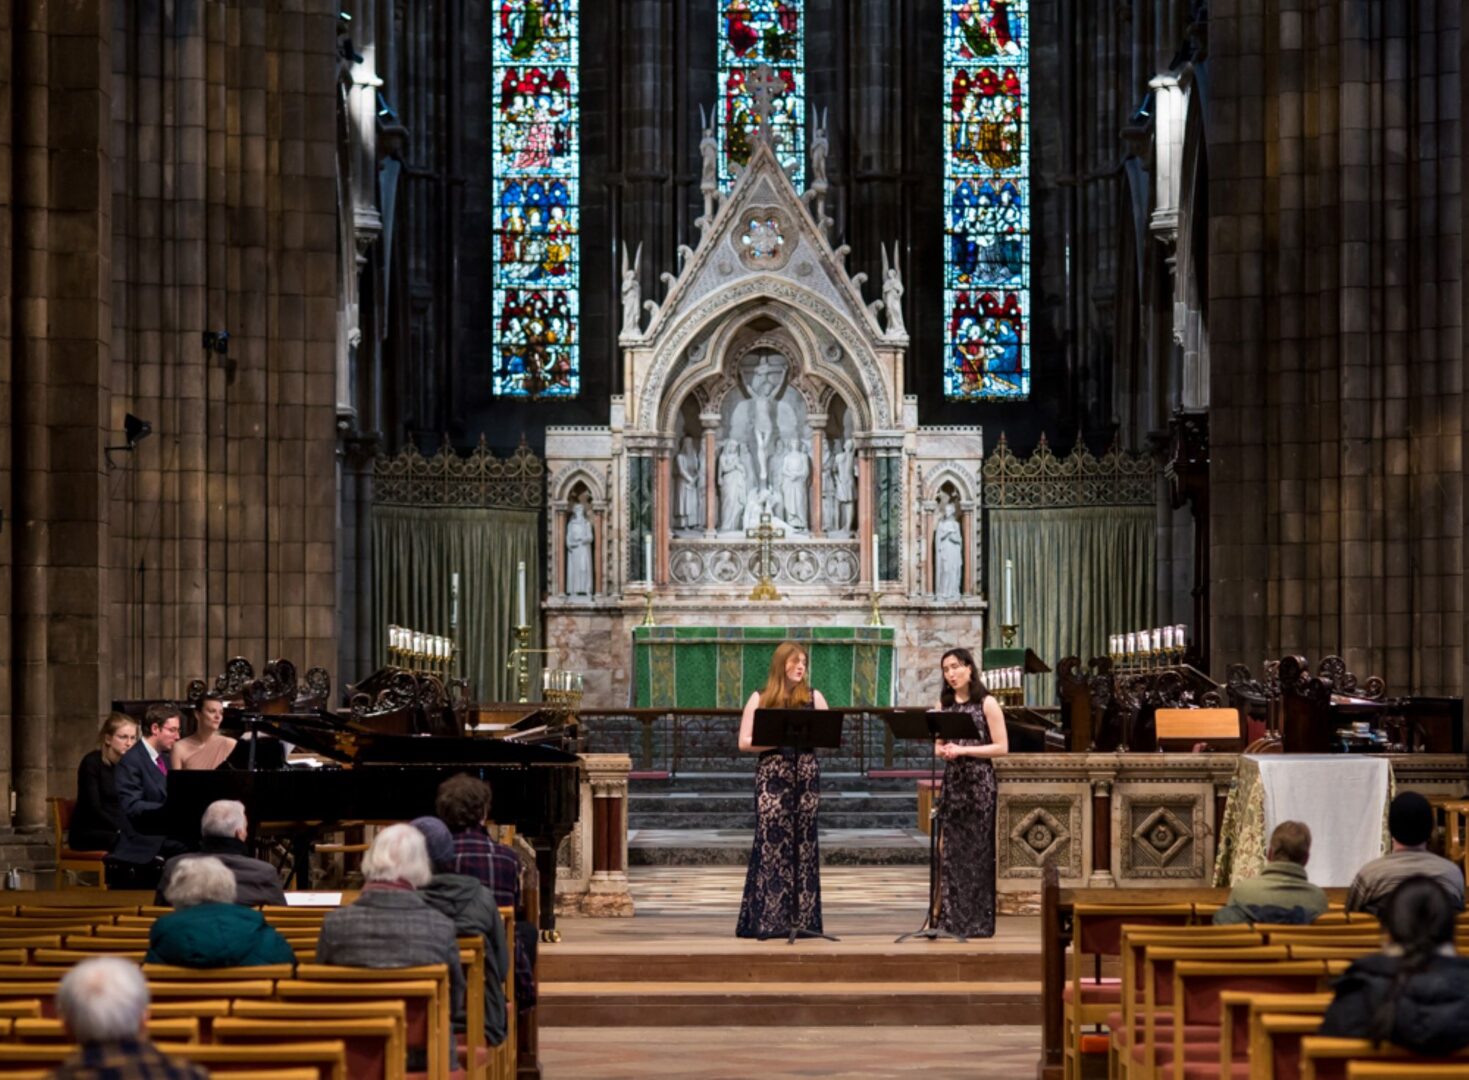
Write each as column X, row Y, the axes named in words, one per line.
column 672, row 992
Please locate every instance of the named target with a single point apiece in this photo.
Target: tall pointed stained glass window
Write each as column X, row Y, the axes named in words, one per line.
column 987, row 199
column 751, row 33
column 537, row 148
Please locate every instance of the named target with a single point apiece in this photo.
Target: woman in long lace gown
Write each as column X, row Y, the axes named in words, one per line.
column 966, row 821
column 787, row 794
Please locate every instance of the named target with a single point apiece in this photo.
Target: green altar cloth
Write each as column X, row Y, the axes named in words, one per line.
column 713, row 667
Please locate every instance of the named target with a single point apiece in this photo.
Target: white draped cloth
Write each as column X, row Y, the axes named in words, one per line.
column 1342, row 798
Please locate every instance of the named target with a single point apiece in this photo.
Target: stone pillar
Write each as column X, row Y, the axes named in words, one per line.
column 817, row 443
column 968, row 581
column 662, row 516
column 711, row 468
column 866, row 519
column 599, row 538
column 31, row 510
column 1101, row 870
column 556, row 579
column 595, row 883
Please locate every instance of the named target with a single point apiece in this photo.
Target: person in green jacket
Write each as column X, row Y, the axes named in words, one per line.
column 207, row 928
column 474, row 911
column 1281, row 893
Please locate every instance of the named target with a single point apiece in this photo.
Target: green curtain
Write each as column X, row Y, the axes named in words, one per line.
column 416, row 551
column 1080, row 574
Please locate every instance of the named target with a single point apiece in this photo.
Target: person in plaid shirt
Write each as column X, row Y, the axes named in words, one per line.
column 463, row 804
column 103, row 1003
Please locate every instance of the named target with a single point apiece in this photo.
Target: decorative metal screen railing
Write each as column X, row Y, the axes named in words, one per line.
column 444, row 479
column 1117, row 478
column 707, row 741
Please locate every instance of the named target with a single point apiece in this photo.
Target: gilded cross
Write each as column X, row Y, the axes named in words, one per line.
column 766, row 533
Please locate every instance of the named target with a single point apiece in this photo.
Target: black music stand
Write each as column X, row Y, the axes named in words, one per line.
column 802, row 729
column 931, row 726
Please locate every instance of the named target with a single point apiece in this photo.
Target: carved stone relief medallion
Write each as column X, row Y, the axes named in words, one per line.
column 1036, row 831
column 1159, row 838
column 764, row 242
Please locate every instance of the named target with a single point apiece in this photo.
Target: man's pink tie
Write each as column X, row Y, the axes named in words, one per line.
column 162, row 764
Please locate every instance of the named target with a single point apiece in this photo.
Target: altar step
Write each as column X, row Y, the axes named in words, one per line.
column 789, row 1004
column 683, row 977
column 731, row 846
column 727, row 809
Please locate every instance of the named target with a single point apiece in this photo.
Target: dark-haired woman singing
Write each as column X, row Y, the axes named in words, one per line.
column 787, row 794
column 966, row 820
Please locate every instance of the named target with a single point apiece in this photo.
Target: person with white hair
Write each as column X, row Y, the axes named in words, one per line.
column 222, row 833
column 391, row 925
column 103, row 1004
column 207, row 928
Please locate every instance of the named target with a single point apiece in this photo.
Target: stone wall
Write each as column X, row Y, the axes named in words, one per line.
column 1335, row 305
column 164, row 170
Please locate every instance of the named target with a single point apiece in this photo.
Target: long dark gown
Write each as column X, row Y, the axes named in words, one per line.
column 967, row 837
column 787, row 795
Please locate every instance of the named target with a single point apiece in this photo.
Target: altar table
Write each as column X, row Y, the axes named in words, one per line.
column 718, row 667
column 1342, row 798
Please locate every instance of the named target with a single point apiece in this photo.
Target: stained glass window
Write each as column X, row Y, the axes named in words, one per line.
column 537, row 158
column 986, row 199
column 751, row 33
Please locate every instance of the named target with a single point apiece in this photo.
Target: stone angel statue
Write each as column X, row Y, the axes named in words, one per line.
column 632, row 293
column 892, row 292
column 820, row 147
column 708, row 162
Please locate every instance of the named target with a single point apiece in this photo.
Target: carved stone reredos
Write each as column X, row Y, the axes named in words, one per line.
column 764, row 268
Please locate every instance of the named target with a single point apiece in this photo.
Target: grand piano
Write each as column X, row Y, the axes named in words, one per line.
column 374, row 775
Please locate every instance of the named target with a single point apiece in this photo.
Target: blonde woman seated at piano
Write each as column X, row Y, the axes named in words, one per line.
column 206, row 748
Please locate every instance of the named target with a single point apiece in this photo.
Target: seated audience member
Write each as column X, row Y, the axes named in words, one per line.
column 103, row 1004
column 1281, row 894
column 1410, row 823
column 463, row 804
column 96, row 823
column 222, row 833
column 391, row 925
column 472, row 907
column 207, row 929
column 1415, row 992
column 206, row 748
column 142, row 791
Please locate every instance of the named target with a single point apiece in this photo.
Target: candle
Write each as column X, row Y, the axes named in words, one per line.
column 1131, row 646
column 1157, row 639
column 1180, row 635
column 454, row 601
column 647, row 557
column 520, row 593
column 876, row 560
column 1009, row 592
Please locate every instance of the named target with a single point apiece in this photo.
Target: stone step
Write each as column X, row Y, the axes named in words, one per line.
column 788, row 1004
column 711, row 782
column 833, row 819
column 735, row 801
column 731, row 847
column 914, row 961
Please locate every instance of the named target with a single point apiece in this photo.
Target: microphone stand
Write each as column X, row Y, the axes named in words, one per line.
column 930, row 928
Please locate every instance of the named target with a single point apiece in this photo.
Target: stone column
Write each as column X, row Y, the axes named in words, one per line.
column 814, row 514
column 711, row 468
column 596, row 882
column 1101, row 870
column 31, row 510
column 599, row 537
column 866, row 519
column 968, row 583
column 556, row 583
column 662, row 516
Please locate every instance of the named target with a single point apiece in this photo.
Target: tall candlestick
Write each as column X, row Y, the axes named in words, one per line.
column 647, row 557
column 1009, row 592
column 876, row 555
column 520, row 593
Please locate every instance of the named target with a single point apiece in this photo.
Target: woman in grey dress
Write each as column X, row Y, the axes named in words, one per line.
column 966, row 820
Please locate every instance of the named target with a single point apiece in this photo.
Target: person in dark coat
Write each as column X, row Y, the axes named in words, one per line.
column 207, row 929
column 97, row 820
column 1415, row 993
column 222, row 833
column 142, row 791
column 474, row 911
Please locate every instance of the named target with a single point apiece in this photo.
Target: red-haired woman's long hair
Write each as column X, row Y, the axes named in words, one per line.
column 775, row 695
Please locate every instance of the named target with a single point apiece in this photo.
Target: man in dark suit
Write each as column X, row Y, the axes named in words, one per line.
column 222, row 833
column 142, row 789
